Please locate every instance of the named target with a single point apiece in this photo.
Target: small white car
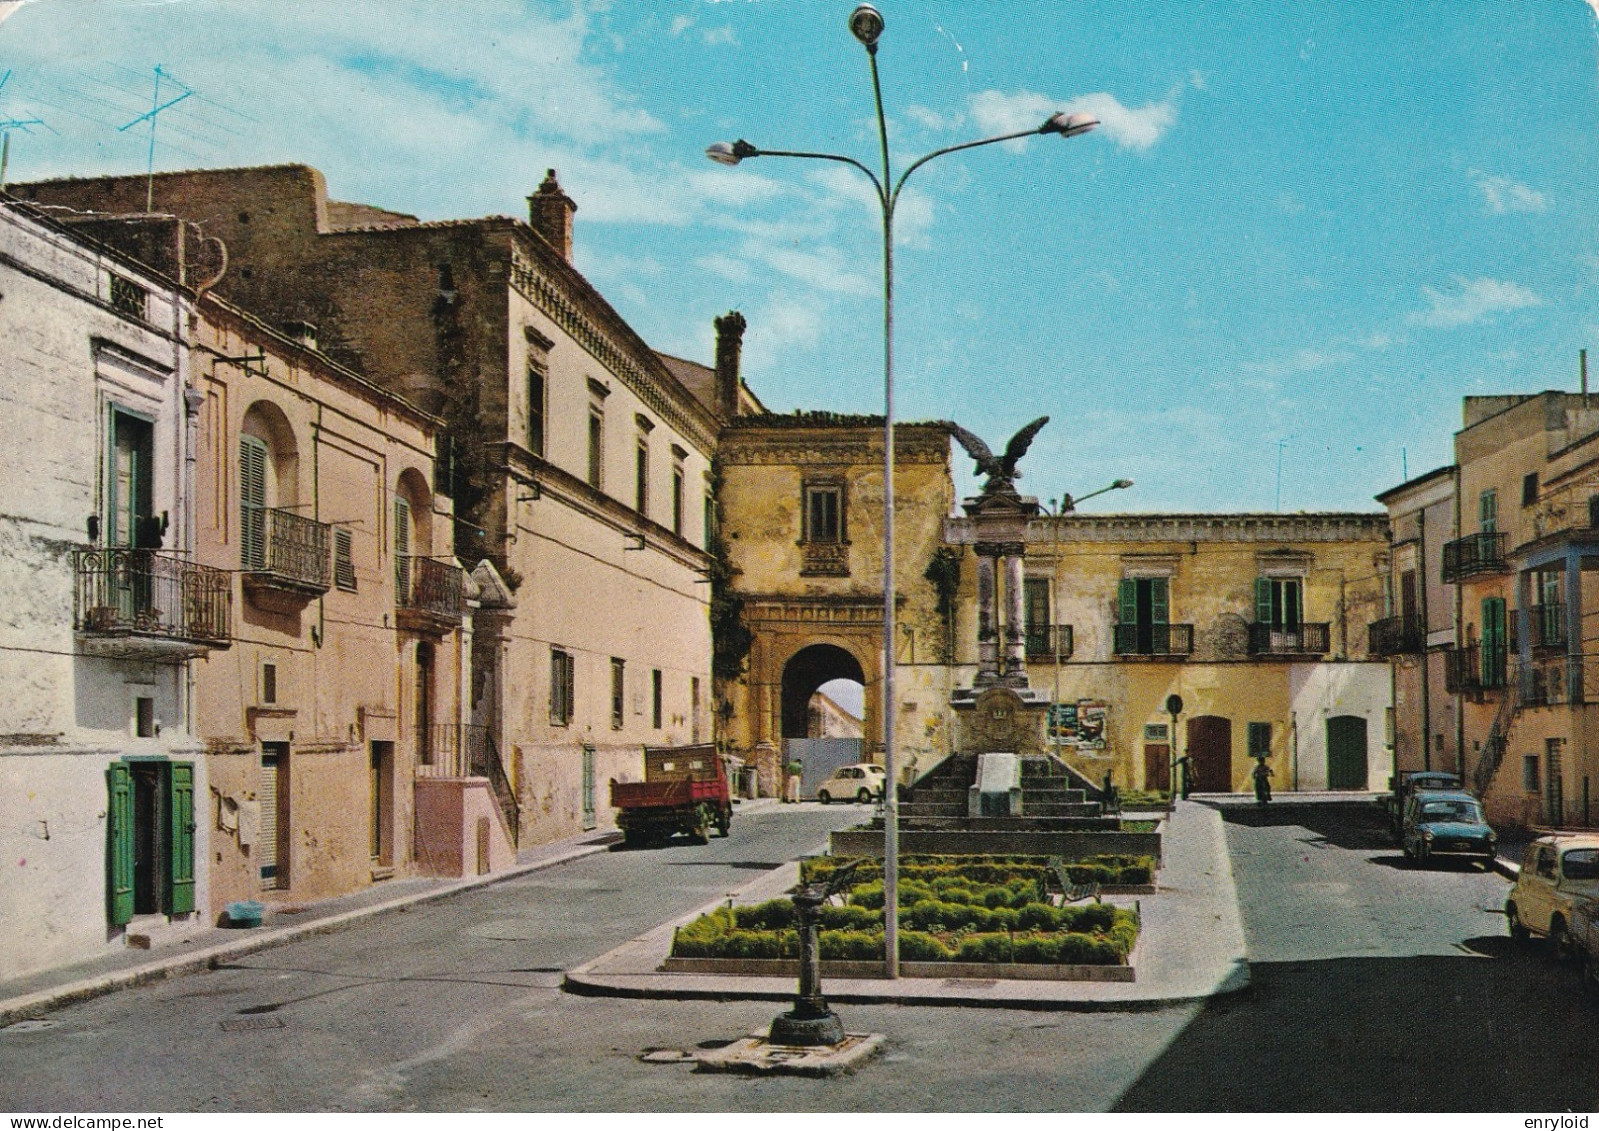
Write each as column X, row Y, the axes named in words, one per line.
column 1557, row 873
column 861, row 782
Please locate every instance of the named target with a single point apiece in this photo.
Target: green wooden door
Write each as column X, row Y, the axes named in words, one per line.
column 1493, row 642
column 1346, row 752
column 119, row 843
column 180, row 838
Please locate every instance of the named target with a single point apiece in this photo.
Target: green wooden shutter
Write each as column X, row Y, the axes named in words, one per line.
column 1127, row 601
column 1262, row 600
column 1159, row 602
column 119, row 843
column 1493, row 642
column 252, row 503
column 1488, row 512
column 1293, row 604
column 180, row 839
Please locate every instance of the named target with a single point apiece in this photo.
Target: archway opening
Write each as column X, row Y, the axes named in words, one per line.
column 823, row 708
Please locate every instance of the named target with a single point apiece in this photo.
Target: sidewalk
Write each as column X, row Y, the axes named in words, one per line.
column 1191, row 947
column 183, row 951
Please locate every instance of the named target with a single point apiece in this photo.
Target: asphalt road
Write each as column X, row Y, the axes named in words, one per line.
column 1377, row 987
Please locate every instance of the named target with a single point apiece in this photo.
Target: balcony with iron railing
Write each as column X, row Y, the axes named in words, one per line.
column 149, row 605
column 427, row 594
column 1548, row 683
column 285, row 559
column 1162, row 640
column 1547, row 625
column 1041, row 639
column 1474, row 668
column 1396, row 636
column 1277, row 640
column 1473, row 555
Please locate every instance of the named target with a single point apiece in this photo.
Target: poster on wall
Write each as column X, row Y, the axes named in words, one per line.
column 1080, row 724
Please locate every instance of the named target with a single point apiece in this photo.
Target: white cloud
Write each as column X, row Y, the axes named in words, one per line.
column 1501, row 194
column 933, row 120
column 1377, row 341
column 9, row 8
column 1476, row 299
column 1129, row 127
column 680, row 24
column 720, row 36
column 1196, row 78
column 1301, row 361
column 785, row 324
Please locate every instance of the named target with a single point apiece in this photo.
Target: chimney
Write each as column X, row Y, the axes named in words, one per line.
column 729, row 343
column 550, row 212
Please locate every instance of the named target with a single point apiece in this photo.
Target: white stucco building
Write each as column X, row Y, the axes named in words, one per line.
column 101, row 605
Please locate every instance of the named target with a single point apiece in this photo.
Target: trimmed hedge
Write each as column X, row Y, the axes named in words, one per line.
column 964, row 909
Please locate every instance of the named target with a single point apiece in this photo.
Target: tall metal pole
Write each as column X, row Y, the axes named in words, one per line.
column 890, row 770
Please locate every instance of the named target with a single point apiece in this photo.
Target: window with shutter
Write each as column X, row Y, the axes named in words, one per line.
column 1488, row 512
column 252, row 503
column 402, row 549
column 344, row 559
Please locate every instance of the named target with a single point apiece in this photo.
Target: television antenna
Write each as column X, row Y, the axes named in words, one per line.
column 9, row 124
column 156, row 107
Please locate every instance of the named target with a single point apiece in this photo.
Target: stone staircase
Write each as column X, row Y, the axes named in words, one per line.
column 1053, row 798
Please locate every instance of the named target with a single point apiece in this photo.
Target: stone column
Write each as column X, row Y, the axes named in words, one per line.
column 987, row 617
column 1015, row 674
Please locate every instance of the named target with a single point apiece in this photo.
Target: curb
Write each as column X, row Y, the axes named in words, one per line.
column 42, row 1001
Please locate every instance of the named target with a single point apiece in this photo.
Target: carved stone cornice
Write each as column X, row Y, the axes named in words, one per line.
column 1274, row 528
column 839, row 446
column 599, row 330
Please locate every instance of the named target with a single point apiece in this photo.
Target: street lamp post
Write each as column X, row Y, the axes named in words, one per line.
column 866, row 25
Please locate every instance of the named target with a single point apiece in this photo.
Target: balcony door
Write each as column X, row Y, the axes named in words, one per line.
column 1144, row 603
column 132, row 477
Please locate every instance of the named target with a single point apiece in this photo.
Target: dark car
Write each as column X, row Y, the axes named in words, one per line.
column 1412, row 781
column 1447, row 824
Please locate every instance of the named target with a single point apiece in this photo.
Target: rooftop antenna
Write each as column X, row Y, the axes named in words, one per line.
column 6, row 126
column 1281, row 444
column 156, row 106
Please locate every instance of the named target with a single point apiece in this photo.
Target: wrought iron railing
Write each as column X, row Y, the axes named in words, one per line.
column 1474, row 554
column 461, row 750
column 1474, row 668
column 426, row 586
column 1041, row 638
column 128, row 592
column 286, row 545
column 1303, row 640
column 1547, row 624
column 1396, row 636
column 1154, row 639
column 1548, row 683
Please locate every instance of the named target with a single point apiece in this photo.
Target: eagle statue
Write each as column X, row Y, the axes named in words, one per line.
column 1001, row 470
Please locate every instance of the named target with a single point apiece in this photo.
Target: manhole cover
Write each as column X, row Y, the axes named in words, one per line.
column 31, row 1025
column 240, row 1024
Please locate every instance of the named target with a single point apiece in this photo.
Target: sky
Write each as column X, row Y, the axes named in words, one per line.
column 1301, row 235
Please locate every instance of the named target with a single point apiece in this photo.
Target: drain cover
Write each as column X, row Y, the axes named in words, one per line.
column 31, row 1025
column 240, row 1024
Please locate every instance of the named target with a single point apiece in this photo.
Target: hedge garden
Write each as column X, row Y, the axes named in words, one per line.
column 952, row 909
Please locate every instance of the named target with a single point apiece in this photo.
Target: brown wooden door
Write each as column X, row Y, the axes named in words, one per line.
column 1157, row 765
column 1210, row 754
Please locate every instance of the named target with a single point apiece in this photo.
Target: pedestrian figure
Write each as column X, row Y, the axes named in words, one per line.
column 1182, row 770
column 1262, row 781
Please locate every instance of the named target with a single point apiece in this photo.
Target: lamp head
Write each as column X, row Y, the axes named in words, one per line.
column 1122, row 484
column 730, row 153
column 1068, row 125
column 866, row 24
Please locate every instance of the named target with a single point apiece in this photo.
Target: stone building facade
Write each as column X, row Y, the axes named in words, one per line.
column 1523, row 565
column 106, row 608
column 1258, row 622
column 802, row 516
column 577, row 459
column 334, row 726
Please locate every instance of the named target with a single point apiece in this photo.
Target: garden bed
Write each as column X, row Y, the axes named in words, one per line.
column 961, row 917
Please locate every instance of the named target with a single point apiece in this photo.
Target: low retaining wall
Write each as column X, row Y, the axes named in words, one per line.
column 972, row 842
column 1012, row 971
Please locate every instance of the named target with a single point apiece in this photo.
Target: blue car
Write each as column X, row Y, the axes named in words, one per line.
column 1447, row 824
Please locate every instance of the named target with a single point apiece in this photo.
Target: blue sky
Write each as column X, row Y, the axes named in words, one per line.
column 1305, row 230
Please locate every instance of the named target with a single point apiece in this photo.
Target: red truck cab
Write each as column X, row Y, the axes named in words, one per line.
column 685, row 790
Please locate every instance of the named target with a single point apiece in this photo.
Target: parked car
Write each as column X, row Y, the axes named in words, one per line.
column 861, row 782
column 1446, row 824
column 1585, row 937
column 1400, row 789
column 1557, row 874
